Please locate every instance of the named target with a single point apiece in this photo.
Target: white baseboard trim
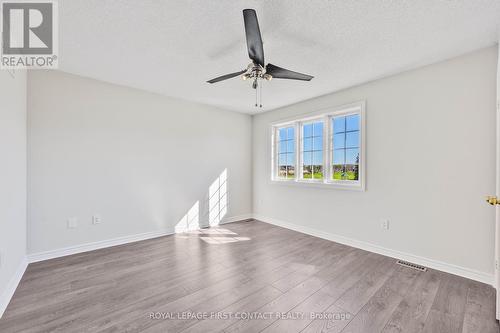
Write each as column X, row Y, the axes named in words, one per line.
column 57, row 253
column 12, row 286
column 41, row 256
column 431, row 263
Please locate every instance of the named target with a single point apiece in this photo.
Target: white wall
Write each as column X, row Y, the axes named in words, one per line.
column 12, row 181
column 430, row 162
column 138, row 159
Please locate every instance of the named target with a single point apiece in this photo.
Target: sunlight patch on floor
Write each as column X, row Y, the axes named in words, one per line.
column 214, row 235
column 223, row 240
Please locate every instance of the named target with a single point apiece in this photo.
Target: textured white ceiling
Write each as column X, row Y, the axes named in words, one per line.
column 173, row 47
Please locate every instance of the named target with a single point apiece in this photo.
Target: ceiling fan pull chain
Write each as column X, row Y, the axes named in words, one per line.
column 256, row 97
column 260, row 88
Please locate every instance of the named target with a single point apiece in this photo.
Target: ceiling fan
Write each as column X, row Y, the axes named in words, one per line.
column 257, row 70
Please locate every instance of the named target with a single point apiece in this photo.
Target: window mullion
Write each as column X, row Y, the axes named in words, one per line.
column 326, row 162
column 297, row 151
column 344, row 168
column 298, row 144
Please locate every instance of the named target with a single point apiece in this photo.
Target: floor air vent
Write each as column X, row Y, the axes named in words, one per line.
column 410, row 265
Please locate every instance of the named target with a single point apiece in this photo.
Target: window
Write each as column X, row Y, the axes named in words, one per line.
column 312, row 150
column 345, row 143
column 329, row 147
column 286, row 152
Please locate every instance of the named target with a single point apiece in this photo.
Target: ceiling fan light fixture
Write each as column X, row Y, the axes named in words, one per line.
column 268, row 77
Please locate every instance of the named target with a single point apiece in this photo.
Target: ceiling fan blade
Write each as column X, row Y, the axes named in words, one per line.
column 281, row 73
column 254, row 39
column 227, row 76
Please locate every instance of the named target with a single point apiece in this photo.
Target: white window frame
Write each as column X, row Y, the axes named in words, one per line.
column 301, row 124
column 326, row 115
column 275, row 150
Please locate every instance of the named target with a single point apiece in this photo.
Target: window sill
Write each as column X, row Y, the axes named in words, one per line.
column 319, row 184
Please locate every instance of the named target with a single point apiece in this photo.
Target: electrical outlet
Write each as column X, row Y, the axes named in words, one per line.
column 384, row 224
column 72, row 223
column 96, row 219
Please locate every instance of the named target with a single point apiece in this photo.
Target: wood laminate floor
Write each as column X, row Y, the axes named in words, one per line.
column 288, row 281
